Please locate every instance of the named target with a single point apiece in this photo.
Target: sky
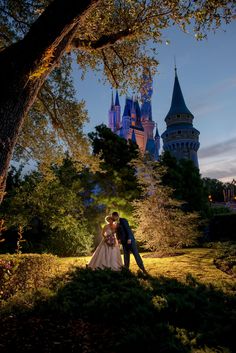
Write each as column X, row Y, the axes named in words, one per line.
column 207, row 76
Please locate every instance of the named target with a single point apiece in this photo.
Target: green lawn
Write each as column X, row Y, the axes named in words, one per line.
column 197, row 262
column 184, row 305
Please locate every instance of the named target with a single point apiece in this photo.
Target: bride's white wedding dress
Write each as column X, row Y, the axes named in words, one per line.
column 107, row 256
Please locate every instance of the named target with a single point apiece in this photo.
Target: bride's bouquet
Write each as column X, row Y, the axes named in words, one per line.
column 110, row 239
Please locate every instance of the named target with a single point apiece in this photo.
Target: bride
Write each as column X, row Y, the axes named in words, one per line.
column 107, row 254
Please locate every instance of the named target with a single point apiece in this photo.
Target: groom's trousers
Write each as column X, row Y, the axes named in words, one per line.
column 132, row 248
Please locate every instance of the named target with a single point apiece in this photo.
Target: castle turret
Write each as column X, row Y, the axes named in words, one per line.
column 157, row 144
column 133, row 114
column 126, row 119
column 180, row 137
column 146, row 107
column 117, row 110
column 112, row 115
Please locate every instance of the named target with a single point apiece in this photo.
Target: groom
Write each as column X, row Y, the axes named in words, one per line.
column 126, row 237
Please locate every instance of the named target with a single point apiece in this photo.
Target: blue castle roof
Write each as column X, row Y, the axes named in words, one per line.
column 128, row 107
column 150, row 146
column 117, row 102
column 178, row 105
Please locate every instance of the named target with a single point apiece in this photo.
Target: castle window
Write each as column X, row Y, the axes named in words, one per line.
column 166, row 135
column 179, row 132
column 192, row 132
column 178, row 116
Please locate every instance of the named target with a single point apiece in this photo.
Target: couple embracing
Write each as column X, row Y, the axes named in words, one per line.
column 107, row 254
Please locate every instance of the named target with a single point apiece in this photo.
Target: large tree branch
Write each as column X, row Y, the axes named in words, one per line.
column 104, row 41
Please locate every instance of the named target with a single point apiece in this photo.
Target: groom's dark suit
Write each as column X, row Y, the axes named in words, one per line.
column 124, row 233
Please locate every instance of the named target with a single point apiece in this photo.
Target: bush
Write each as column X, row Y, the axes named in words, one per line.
column 75, row 240
column 25, row 273
column 146, row 314
column 225, row 258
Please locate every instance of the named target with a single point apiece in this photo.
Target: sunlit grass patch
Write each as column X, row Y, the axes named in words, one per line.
column 198, row 262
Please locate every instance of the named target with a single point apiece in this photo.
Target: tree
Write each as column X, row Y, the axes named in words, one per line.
column 162, row 224
column 113, row 33
column 57, row 206
column 185, row 180
column 215, row 189
column 116, row 184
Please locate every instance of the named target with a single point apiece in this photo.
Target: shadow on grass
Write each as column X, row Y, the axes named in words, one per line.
column 109, row 312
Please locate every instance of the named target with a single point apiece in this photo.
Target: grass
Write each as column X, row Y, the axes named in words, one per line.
column 185, row 305
column 197, row 262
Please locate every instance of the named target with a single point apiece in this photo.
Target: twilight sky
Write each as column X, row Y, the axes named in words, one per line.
column 207, row 75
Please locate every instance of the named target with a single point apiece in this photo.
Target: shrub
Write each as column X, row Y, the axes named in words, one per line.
column 71, row 239
column 225, row 258
column 25, row 273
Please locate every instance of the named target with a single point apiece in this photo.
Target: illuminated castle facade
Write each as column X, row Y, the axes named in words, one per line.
column 136, row 122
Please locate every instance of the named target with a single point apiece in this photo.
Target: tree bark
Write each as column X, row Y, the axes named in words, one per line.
column 25, row 65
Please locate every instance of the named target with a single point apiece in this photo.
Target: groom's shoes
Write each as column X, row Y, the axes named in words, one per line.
column 143, row 272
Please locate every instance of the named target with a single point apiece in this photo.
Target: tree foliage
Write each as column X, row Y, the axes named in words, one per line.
column 186, row 182
column 55, row 124
column 116, row 183
column 162, row 224
column 58, row 206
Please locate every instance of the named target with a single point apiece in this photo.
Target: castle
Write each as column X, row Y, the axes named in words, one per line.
column 136, row 123
column 180, row 138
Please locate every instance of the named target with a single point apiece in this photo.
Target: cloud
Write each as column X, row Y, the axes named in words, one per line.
column 209, row 98
column 221, row 173
column 205, row 108
column 218, row 149
column 224, row 169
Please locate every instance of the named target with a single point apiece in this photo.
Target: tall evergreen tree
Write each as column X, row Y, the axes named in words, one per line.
column 162, row 223
column 117, row 183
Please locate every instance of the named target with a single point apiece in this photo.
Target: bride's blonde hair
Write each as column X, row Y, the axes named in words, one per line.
column 108, row 218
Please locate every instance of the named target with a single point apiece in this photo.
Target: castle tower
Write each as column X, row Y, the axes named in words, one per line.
column 133, row 114
column 112, row 115
column 126, row 119
column 117, row 110
column 157, row 145
column 180, row 138
column 146, row 108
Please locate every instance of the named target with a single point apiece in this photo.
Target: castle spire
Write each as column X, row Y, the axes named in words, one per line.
column 112, row 100
column 178, row 105
column 117, row 102
column 175, row 66
column 157, row 136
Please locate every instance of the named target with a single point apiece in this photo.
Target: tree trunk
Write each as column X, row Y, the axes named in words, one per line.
column 25, row 65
